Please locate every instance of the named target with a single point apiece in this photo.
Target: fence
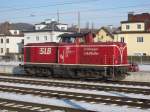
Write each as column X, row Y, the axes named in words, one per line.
column 139, row 59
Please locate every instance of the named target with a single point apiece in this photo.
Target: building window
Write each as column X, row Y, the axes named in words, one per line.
column 7, row 50
column 1, row 40
column 127, row 27
column 38, row 28
column 45, row 37
column 140, row 54
column 28, row 38
column 144, row 54
column 122, row 39
column 22, row 41
column 37, row 38
column 15, row 32
column 2, row 50
column 140, row 39
column 7, row 41
column 62, row 28
column 51, row 39
column 139, row 26
column 22, row 50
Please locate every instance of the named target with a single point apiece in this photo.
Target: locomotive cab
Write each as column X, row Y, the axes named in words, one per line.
column 77, row 38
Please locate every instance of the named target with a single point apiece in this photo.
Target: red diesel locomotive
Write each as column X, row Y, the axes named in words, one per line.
column 76, row 56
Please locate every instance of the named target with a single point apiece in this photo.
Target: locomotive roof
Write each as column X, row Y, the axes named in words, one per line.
column 42, row 44
column 66, row 35
column 96, row 43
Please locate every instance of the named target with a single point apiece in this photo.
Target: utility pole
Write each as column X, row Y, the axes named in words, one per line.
column 92, row 26
column 78, row 22
column 87, row 25
column 58, row 16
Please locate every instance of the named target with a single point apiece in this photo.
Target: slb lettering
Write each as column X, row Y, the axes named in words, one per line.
column 45, row 51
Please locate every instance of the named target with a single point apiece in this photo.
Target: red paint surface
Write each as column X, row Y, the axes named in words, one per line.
column 41, row 53
column 108, row 53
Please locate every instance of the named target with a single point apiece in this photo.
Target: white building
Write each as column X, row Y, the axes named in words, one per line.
column 47, row 31
column 39, row 36
column 11, row 41
column 11, row 45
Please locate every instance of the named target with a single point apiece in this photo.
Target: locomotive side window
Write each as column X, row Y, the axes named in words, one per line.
column 75, row 38
column 72, row 40
column 68, row 40
column 82, row 40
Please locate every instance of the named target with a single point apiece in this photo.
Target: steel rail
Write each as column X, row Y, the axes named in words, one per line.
column 134, row 83
column 20, row 106
column 89, row 98
column 79, row 86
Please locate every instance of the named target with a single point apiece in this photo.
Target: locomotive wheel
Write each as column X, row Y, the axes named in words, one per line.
column 28, row 72
column 31, row 71
column 49, row 73
column 119, row 77
column 72, row 74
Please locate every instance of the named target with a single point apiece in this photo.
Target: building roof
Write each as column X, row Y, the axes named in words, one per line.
column 135, row 18
column 21, row 26
column 110, row 30
column 51, row 25
column 139, row 17
column 132, row 22
column 45, row 30
column 144, row 17
column 135, row 32
column 6, row 27
column 44, row 23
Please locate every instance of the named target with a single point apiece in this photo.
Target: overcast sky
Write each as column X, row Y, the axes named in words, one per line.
column 100, row 12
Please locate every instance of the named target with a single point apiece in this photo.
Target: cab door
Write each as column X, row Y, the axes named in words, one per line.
column 68, row 54
column 61, row 53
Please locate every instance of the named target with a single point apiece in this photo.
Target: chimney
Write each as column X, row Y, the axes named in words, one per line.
column 47, row 21
column 5, row 28
column 110, row 26
column 89, row 37
column 130, row 15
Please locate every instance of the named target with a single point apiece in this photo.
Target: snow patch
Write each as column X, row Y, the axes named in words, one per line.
column 69, row 103
column 96, row 92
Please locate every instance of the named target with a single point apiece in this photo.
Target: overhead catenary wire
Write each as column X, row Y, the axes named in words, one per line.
column 85, row 11
column 50, row 5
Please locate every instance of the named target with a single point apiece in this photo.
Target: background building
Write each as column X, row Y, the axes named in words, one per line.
column 12, row 39
column 47, row 31
column 136, row 33
column 106, row 34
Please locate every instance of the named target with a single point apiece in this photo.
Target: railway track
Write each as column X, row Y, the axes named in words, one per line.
column 20, row 106
column 83, row 80
column 78, row 86
column 130, row 83
column 89, row 98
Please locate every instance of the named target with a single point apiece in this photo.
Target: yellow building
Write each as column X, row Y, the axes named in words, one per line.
column 136, row 33
column 104, row 34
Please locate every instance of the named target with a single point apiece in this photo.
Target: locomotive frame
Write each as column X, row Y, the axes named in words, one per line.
column 112, row 72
